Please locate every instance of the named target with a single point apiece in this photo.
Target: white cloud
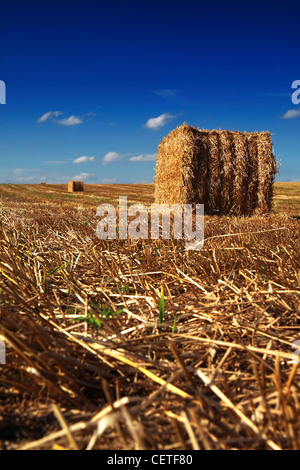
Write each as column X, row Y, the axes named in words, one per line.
column 160, row 121
column 147, row 157
column 53, row 115
column 54, row 162
column 83, row 159
column 70, row 121
column 49, row 115
column 111, row 157
column 291, row 114
column 81, row 176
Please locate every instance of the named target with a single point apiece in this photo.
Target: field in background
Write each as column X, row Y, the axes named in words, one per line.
column 98, row 358
column 286, row 195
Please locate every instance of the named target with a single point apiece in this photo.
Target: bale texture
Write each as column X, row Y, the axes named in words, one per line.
column 229, row 172
column 75, row 186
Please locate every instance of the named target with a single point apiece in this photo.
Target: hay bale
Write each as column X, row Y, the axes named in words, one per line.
column 252, row 191
column 75, row 186
column 228, row 172
column 266, row 170
column 214, row 170
column 240, row 185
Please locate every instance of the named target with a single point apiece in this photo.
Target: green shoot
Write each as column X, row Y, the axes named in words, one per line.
column 174, row 324
column 161, row 309
column 94, row 321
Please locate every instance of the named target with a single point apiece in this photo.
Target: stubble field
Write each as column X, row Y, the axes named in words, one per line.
column 140, row 344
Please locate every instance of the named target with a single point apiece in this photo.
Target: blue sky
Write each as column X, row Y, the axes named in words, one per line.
column 92, row 87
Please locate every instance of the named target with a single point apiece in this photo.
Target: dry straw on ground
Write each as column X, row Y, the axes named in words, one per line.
column 217, row 373
column 75, row 186
column 229, row 172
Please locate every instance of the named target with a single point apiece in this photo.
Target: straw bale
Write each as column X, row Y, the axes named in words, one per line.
column 266, row 171
column 75, row 186
column 252, row 192
column 229, row 172
column 241, row 176
column 213, row 181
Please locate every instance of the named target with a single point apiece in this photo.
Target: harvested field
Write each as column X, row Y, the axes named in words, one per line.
column 98, row 358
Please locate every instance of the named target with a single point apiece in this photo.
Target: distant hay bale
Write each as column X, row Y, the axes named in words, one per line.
column 229, row 172
column 43, row 183
column 75, row 186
